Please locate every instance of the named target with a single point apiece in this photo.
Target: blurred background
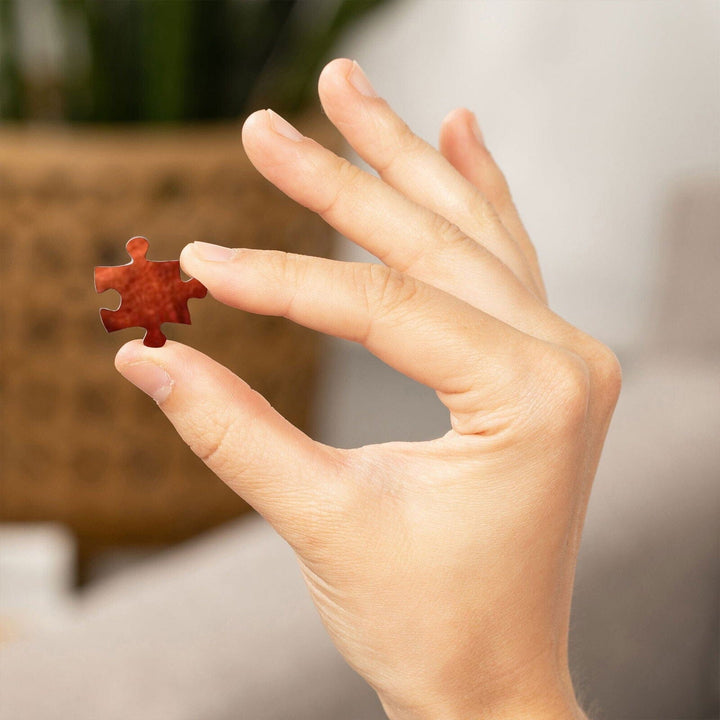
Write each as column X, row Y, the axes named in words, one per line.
column 132, row 582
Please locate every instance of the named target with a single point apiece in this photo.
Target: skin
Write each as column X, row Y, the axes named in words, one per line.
column 442, row 570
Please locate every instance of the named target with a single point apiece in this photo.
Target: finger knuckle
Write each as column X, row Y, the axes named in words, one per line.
column 347, row 179
column 565, row 381
column 406, row 140
column 479, row 207
column 212, row 439
column 386, row 289
column 277, row 264
column 405, row 145
column 284, row 271
column 447, row 233
column 606, row 372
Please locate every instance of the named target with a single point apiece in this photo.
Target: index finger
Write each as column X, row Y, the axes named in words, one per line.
column 423, row 332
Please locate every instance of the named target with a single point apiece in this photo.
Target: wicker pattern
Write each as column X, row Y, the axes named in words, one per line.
column 79, row 444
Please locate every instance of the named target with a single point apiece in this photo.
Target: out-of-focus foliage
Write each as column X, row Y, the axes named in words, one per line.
column 163, row 60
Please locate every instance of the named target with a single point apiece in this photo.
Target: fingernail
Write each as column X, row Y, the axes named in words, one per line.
column 358, row 79
column 476, row 130
column 213, row 253
column 150, row 378
column 281, row 126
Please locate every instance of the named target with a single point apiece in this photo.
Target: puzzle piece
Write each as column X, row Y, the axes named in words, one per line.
column 152, row 293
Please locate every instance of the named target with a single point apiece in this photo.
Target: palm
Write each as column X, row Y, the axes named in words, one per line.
column 425, row 515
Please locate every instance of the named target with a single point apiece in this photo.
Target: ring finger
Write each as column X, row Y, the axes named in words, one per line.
column 412, row 166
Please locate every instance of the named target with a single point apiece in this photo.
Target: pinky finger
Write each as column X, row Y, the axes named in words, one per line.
column 462, row 145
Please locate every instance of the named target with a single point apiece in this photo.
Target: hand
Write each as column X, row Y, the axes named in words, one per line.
column 443, row 570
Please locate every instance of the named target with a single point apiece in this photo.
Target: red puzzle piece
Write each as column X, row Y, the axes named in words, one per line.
column 152, row 293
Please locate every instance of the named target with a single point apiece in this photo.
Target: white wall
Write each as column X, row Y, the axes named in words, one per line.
column 596, row 110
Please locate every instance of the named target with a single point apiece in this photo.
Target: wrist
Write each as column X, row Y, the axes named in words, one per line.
column 540, row 710
column 550, row 701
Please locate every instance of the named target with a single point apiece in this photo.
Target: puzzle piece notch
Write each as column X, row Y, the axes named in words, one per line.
column 152, row 293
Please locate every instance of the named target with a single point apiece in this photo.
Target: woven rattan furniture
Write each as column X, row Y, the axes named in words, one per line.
column 79, row 444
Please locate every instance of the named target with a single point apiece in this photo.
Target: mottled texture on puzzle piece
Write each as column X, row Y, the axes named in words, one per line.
column 152, row 293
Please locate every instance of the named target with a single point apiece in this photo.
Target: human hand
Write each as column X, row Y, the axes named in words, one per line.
column 443, row 570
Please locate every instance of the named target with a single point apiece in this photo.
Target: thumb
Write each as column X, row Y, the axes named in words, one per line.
column 274, row 466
